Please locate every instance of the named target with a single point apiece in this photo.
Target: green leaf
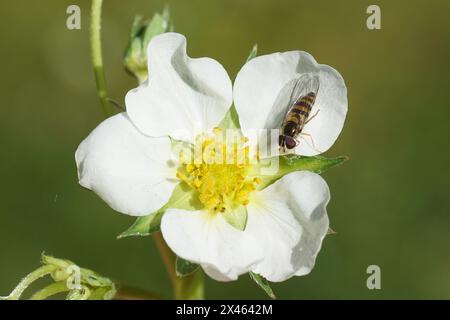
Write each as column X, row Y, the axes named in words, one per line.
column 237, row 217
column 253, row 53
column 185, row 268
column 291, row 163
column 183, row 197
column 263, row 284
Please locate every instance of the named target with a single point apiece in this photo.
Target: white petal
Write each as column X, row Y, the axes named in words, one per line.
column 129, row 171
column 263, row 88
column 289, row 218
column 215, row 274
column 223, row 251
column 182, row 96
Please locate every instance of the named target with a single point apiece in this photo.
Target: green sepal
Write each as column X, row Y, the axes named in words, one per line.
column 178, row 147
column 231, row 120
column 185, row 268
column 292, row 163
column 135, row 59
column 331, row 231
column 237, row 217
column 253, row 53
column 60, row 263
column 142, row 226
column 159, row 23
column 183, row 197
column 263, row 284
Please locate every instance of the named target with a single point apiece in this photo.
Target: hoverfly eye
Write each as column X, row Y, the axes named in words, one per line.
column 290, row 143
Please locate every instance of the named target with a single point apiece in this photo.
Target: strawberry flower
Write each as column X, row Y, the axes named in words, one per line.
column 236, row 219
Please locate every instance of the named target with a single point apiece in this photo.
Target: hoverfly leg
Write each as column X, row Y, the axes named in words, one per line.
column 312, row 117
column 312, row 145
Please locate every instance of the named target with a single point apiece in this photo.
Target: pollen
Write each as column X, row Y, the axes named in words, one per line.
column 219, row 171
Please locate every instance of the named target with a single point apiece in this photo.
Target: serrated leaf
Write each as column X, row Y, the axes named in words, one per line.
column 185, row 268
column 183, row 197
column 237, row 217
column 291, row 163
column 263, row 284
column 253, row 53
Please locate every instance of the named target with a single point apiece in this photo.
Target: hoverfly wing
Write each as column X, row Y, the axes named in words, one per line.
column 303, row 85
column 294, row 90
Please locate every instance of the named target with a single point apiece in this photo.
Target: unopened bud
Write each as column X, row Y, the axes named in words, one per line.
column 135, row 60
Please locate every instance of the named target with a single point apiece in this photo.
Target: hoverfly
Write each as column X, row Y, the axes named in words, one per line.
column 302, row 99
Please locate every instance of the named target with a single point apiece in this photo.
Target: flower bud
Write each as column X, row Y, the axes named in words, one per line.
column 79, row 283
column 135, row 60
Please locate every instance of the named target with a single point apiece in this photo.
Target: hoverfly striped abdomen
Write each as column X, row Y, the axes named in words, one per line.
column 302, row 101
column 299, row 112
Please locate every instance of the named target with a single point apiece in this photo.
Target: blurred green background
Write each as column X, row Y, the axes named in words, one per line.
column 389, row 202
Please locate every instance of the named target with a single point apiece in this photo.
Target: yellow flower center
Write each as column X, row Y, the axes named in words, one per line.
column 218, row 171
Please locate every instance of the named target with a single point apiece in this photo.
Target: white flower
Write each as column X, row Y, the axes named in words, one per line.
column 127, row 161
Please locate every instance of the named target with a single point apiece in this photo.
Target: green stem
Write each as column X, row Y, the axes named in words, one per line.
column 190, row 287
column 97, row 59
column 28, row 280
column 50, row 290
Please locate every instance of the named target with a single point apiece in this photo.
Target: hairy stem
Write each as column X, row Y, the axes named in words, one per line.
column 97, row 59
column 50, row 290
column 28, row 280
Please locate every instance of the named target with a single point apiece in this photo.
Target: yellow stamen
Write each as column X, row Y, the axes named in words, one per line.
column 219, row 173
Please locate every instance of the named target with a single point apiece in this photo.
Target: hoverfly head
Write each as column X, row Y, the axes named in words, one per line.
column 290, row 142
